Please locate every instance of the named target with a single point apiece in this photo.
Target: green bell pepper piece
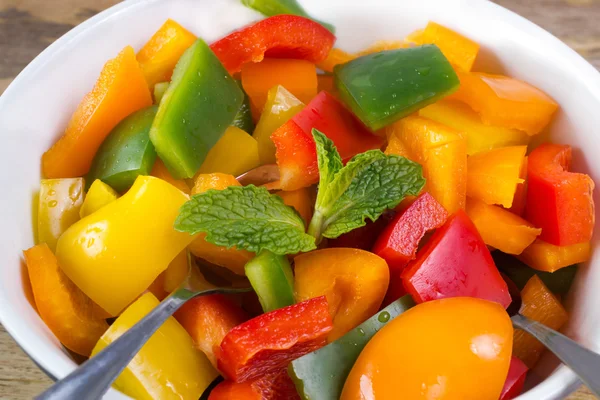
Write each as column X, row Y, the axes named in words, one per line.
column 270, row 8
column 558, row 282
column 272, row 278
column 198, row 106
column 321, row 375
column 383, row 87
column 159, row 91
column 126, row 153
column 243, row 118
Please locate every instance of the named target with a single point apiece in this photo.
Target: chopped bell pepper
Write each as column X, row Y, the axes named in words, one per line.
column 558, row 201
column 480, row 137
column 297, row 76
column 296, row 149
column 96, row 252
column 181, row 269
column 363, row 238
column 442, row 152
column 120, row 90
column 493, row 176
column 159, row 170
column 320, row 375
column 159, row 91
column 200, row 103
column 459, row 50
column 500, row 228
column 544, row 256
column 539, row 304
column 455, row 262
column 383, row 87
column 76, row 321
column 335, row 57
column 278, row 7
column 160, row 54
column 208, row 319
column 235, row 153
column 398, row 243
column 59, row 204
column 559, row 282
column 275, row 386
column 167, row 366
column 99, row 195
column 267, row 343
column 325, row 82
column 383, row 45
column 281, row 105
column 520, row 199
column 126, row 153
column 303, row 201
column 507, row 102
column 272, row 279
column 513, row 386
column 354, row 281
column 243, row 119
column 280, row 36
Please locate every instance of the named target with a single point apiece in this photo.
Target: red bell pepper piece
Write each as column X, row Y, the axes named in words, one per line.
column 295, row 147
column 364, row 237
column 208, row 319
column 267, row 343
column 513, row 386
column 276, row 386
column 455, row 262
column 280, row 36
column 558, row 201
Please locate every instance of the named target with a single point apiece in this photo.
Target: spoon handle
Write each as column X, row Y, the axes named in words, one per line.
column 93, row 378
column 580, row 360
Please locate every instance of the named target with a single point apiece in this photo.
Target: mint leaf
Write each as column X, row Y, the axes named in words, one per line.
column 329, row 162
column 247, row 217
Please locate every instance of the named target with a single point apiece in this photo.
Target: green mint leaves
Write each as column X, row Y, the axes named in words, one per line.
column 250, row 218
column 247, row 217
column 368, row 185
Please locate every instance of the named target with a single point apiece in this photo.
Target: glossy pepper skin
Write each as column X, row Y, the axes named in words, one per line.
column 99, row 195
column 450, row 349
column 126, row 153
column 320, row 375
column 235, row 153
column 513, row 386
column 120, row 90
column 455, row 262
column 558, row 201
column 544, row 256
column 272, row 279
column 187, row 125
column 383, row 87
column 74, row 319
column 59, row 204
column 280, row 36
column 167, row 367
column 99, row 252
column 267, row 343
column 296, row 149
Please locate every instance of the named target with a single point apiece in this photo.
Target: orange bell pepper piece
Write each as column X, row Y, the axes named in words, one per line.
column 335, row 57
column 159, row 170
column 354, row 282
column 160, row 54
column 504, row 101
column 459, row 50
column 539, row 304
column 544, row 256
column 383, row 45
column 232, row 259
column 76, row 321
column 492, row 176
column 303, row 201
column 500, row 228
column 299, row 77
column 442, row 152
column 520, row 199
column 120, row 90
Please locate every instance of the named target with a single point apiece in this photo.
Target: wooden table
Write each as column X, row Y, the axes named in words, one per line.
column 28, row 26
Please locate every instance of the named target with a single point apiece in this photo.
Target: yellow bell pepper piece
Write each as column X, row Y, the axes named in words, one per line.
column 442, row 152
column 235, row 153
column 493, row 175
column 114, row 254
column 167, row 367
column 59, row 203
column 480, row 137
column 281, row 105
column 99, row 195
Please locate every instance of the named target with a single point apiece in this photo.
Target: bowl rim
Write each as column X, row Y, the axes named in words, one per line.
column 565, row 384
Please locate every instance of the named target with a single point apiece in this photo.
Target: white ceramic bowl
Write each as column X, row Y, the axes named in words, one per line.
column 38, row 104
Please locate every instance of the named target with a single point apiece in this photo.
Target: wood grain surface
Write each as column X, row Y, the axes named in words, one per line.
column 29, row 26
